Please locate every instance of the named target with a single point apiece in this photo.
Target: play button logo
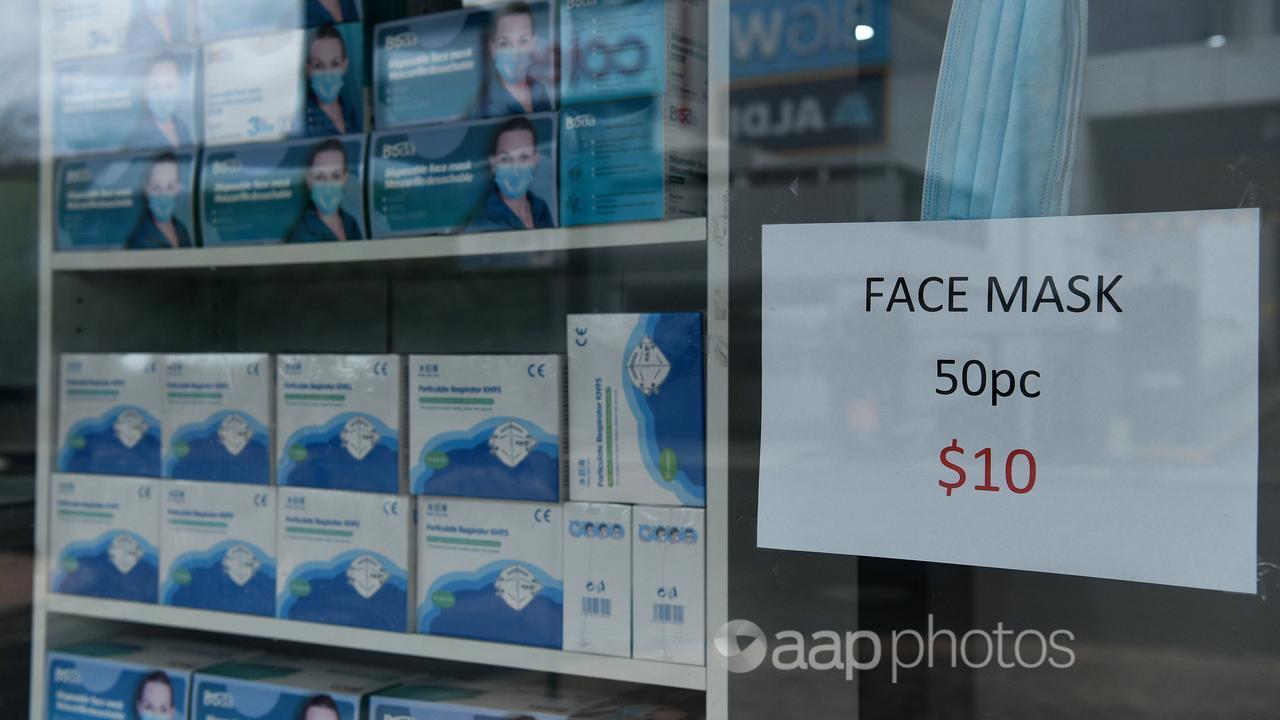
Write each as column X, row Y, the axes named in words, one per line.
column 739, row 646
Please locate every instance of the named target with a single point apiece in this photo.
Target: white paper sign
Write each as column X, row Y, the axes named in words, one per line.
column 1115, row 403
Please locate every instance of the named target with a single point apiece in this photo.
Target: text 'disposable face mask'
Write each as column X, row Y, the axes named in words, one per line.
column 1006, row 111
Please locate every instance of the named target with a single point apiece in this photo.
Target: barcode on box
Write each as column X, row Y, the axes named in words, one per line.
column 668, row 614
column 600, row 607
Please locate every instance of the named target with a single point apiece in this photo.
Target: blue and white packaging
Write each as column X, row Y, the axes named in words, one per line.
column 490, row 570
column 487, row 426
column 345, row 558
column 126, row 677
column 109, row 414
column 134, row 201
column 597, row 578
column 636, row 432
column 448, row 700
column 105, row 537
column 225, row 18
column 301, row 191
column 618, row 49
column 469, row 177
column 669, row 584
column 125, row 102
column 471, row 63
column 218, row 547
column 218, row 417
column 632, row 160
column 339, row 420
column 82, row 28
column 296, row 83
column 279, row 687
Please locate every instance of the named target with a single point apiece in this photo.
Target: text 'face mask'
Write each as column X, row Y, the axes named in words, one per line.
column 514, row 179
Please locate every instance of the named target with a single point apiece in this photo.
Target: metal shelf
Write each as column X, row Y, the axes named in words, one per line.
column 691, row 230
column 410, row 644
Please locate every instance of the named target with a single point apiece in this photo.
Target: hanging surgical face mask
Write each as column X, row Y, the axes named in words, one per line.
column 327, row 196
column 512, row 64
column 1003, row 135
column 514, row 179
column 162, row 205
column 162, row 103
column 327, row 84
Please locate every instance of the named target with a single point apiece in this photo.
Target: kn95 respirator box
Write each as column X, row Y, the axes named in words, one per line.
column 109, row 414
column 597, row 578
column 105, row 537
column 668, row 584
column 218, row 417
column 487, row 426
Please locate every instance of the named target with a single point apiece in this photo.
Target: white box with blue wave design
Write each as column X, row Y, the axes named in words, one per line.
column 109, row 414
column 490, row 570
column 597, row 578
column 345, row 558
column 338, row 421
column 266, row 686
column 218, row 547
column 487, row 426
column 668, row 565
column 636, row 393
column 105, row 537
column 217, row 418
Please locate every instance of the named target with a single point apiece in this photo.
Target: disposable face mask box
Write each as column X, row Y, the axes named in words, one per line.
column 105, row 533
column 109, row 414
column 338, row 418
column 125, row 102
column 218, row 417
column 134, row 201
column 224, row 18
column 301, row 191
column 345, row 558
column 126, row 677
column 276, row 687
column 617, row 49
column 631, row 160
column 108, row 27
column 218, row 547
column 297, row 83
column 636, row 409
column 669, row 584
column 446, row 700
column 597, row 578
column 471, row 177
column 490, row 570
column 487, row 426
column 471, row 63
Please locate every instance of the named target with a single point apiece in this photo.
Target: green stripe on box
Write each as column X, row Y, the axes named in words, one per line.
column 455, row 401
column 185, row 395
column 199, row 523
column 86, row 391
column 464, row 541
column 608, row 434
column 87, row 513
column 326, row 532
column 315, row 396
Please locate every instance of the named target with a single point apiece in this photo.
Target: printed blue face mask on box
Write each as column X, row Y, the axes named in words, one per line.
column 1003, row 135
column 155, row 716
column 162, row 205
column 327, row 196
column 512, row 64
column 327, row 84
column 162, row 103
column 514, row 179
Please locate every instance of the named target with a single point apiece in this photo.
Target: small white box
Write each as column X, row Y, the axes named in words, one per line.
column 266, row 686
column 636, row 431
column 345, row 558
column 490, row 570
column 597, row 578
column 669, row 589
column 217, row 422
column 218, row 547
column 109, row 415
column 487, row 426
column 339, row 419
column 105, row 537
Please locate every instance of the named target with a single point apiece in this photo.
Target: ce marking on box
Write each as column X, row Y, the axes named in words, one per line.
column 537, row 370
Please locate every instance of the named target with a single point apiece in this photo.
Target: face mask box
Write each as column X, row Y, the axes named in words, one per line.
column 218, row 547
column 470, row 177
column 630, row 161
column 487, row 426
column 636, row 409
column 109, row 414
column 278, row 687
column 105, row 533
column 126, row 677
column 338, row 419
column 446, row 700
column 218, row 418
column 82, row 28
column 668, row 564
column 597, row 578
column 490, row 570
column 472, row 63
column 125, row 102
column 614, row 50
column 296, row 83
column 345, row 558
column 134, row 201
column 302, row 191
